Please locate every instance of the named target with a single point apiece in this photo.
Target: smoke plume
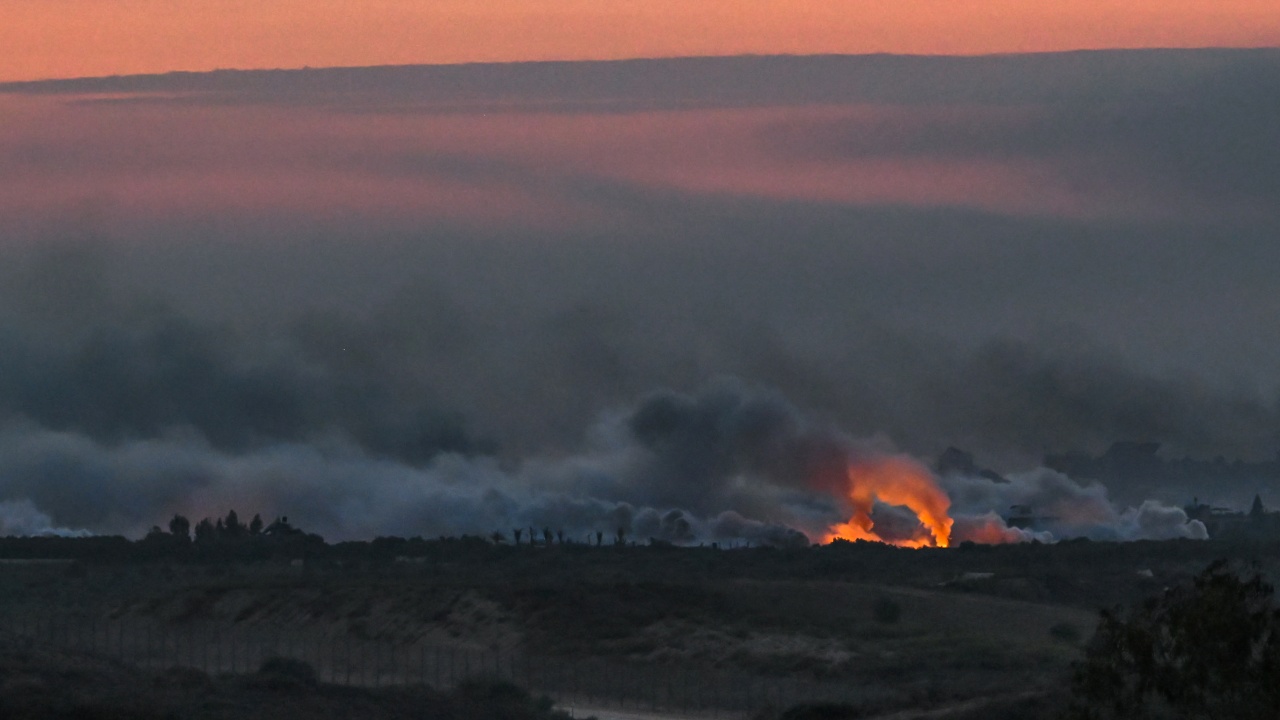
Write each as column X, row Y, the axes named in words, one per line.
column 730, row 463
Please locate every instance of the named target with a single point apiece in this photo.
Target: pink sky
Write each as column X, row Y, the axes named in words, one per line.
column 76, row 38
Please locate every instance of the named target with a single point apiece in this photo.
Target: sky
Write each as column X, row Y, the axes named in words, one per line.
column 431, row 299
column 78, row 38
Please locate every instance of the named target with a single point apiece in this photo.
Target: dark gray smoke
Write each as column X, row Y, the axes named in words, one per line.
column 729, row 464
column 123, row 410
column 741, row 458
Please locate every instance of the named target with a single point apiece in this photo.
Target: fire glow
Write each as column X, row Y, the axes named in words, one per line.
column 901, row 482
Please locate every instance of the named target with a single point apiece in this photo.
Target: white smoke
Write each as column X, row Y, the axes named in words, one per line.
column 728, row 464
column 1058, row 508
column 21, row 518
column 340, row 492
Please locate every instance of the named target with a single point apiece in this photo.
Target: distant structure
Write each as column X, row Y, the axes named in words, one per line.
column 1225, row 523
column 1137, row 463
column 1137, row 466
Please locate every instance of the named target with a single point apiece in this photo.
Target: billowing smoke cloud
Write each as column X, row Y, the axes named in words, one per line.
column 1055, row 507
column 442, row 365
column 21, row 518
column 728, row 464
column 731, row 463
column 363, row 362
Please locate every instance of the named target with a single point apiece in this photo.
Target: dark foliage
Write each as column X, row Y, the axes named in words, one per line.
column 1210, row 649
column 886, row 611
column 280, row 673
column 1065, row 632
column 822, row 711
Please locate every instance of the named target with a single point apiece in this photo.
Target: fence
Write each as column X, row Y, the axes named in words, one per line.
column 376, row 662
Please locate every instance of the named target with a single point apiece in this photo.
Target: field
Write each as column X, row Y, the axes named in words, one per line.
column 686, row 631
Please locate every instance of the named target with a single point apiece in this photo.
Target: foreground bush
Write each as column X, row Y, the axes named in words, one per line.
column 1209, row 649
column 822, row 711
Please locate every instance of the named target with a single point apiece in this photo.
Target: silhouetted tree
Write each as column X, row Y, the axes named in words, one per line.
column 621, row 537
column 280, row 527
column 517, row 533
column 497, row 537
column 599, row 538
column 255, row 525
column 233, row 529
column 1210, row 649
column 205, row 531
column 180, row 527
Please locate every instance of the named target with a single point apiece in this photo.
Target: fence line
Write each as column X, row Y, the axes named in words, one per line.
column 377, row 662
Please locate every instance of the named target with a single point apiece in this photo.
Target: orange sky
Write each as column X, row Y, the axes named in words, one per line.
column 68, row 38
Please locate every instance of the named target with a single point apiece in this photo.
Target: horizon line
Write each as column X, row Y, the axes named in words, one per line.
column 16, row 85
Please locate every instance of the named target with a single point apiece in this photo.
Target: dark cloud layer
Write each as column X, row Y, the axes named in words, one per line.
column 629, row 85
column 1009, row 338
column 1209, row 136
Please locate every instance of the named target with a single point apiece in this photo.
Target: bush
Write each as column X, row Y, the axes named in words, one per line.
column 822, row 711
column 185, row 678
column 279, row 673
column 886, row 611
column 487, row 698
column 1065, row 632
column 1209, row 649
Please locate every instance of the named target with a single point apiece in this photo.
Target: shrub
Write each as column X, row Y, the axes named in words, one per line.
column 491, row 698
column 886, row 611
column 186, row 678
column 1208, row 649
column 279, row 673
column 1065, row 632
column 822, row 711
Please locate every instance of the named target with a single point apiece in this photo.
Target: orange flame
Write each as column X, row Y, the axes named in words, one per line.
column 895, row 481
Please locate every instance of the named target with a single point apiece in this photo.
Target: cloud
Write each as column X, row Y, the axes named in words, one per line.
column 649, row 84
column 1055, row 507
column 1207, row 139
column 344, row 492
column 291, row 262
column 731, row 463
column 21, row 518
